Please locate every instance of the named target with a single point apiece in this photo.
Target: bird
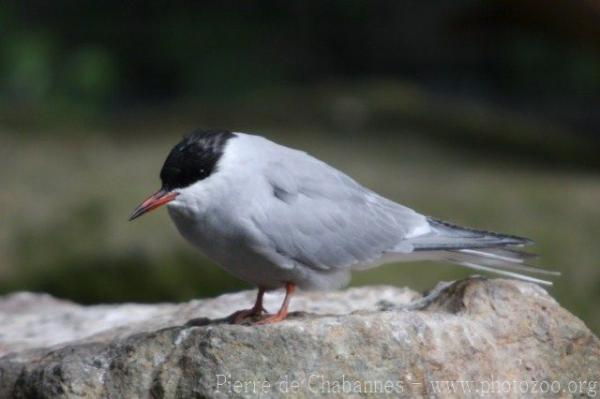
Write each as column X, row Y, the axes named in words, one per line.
column 276, row 217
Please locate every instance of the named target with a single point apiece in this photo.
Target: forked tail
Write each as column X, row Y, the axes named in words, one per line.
column 480, row 250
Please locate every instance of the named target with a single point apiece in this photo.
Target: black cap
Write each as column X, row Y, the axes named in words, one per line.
column 194, row 158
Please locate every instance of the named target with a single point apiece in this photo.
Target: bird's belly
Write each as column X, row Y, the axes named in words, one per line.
column 227, row 245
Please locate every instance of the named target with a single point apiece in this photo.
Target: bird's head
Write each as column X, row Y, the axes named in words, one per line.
column 193, row 159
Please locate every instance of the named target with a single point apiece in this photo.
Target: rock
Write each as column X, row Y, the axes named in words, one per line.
column 476, row 337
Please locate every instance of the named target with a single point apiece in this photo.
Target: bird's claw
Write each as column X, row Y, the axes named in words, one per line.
column 241, row 316
column 272, row 318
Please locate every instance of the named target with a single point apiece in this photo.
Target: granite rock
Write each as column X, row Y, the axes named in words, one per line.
column 473, row 338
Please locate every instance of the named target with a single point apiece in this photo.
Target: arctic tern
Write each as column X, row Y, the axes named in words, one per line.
column 277, row 217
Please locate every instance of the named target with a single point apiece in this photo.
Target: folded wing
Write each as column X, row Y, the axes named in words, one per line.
column 319, row 217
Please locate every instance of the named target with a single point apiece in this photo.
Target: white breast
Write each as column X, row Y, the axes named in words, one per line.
column 215, row 214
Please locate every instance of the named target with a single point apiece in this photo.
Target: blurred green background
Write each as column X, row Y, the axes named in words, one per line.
column 483, row 113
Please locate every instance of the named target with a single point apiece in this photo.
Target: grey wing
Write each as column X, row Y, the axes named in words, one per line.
column 321, row 218
column 317, row 216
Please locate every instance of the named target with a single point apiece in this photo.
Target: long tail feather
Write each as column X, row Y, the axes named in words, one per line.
column 479, row 250
column 511, row 263
column 506, row 273
column 512, row 253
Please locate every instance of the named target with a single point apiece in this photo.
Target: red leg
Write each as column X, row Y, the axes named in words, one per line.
column 283, row 311
column 257, row 310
